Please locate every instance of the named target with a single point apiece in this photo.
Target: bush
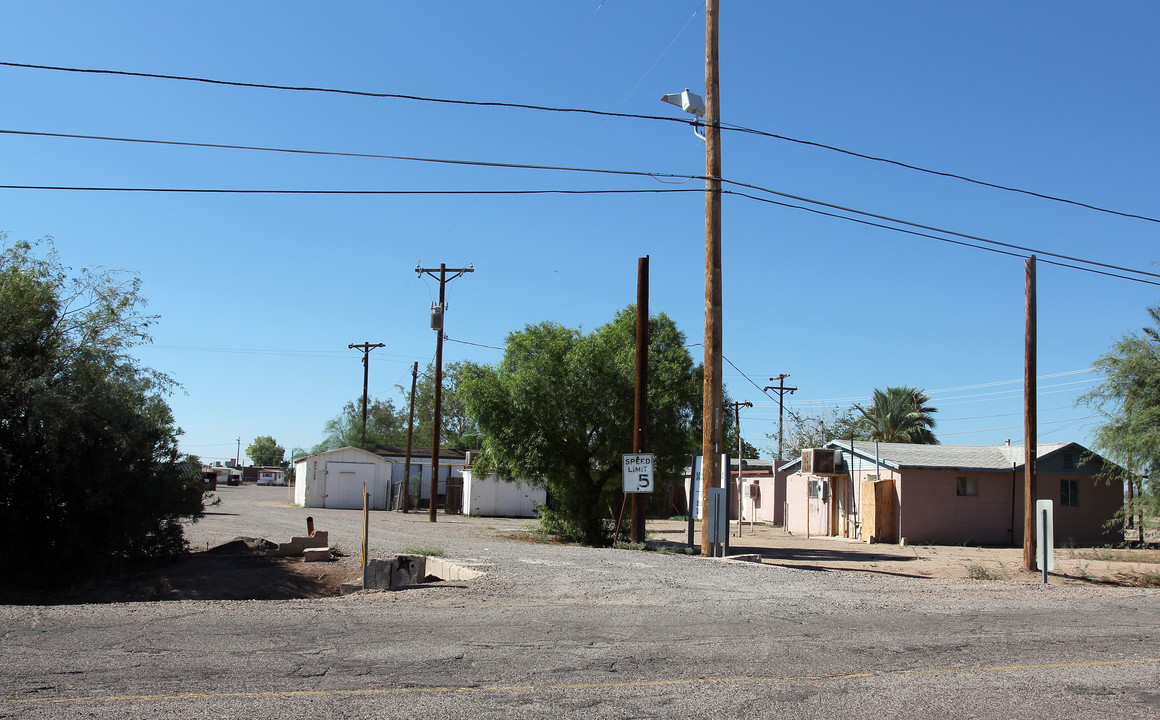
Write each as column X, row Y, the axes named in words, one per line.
column 90, row 478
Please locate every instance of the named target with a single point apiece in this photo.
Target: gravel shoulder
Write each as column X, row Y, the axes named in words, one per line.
column 511, row 549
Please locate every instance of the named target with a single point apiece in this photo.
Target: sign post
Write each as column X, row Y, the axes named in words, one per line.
column 1045, row 536
column 718, row 520
column 638, row 472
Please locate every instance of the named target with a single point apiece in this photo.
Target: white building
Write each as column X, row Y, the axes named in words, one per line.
column 491, row 497
column 334, row 479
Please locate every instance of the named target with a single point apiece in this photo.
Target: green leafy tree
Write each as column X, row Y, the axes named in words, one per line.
column 458, row 430
column 265, row 450
column 90, row 476
column 900, row 414
column 1129, row 397
column 558, row 411
column 385, row 426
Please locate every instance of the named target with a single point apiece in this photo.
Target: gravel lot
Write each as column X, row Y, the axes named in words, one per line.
column 566, row 631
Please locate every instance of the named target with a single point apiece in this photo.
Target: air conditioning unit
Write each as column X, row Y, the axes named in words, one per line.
column 819, row 461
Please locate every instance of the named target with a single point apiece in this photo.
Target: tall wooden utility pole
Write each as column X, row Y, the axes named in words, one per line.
column 437, row 326
column 1029, row 417
column 740, row 456
column 711, row 402
column 640, row 406
column 406, row 506
column 781, row 391
column 366, row 351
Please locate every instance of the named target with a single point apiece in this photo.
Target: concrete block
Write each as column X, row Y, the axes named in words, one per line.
column 408, row 570
column 378, row 574
column 747, row 557
column 453, row 572
column 318, row 554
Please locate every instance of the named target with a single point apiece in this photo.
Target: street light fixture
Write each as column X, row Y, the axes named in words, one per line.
column 691, row 103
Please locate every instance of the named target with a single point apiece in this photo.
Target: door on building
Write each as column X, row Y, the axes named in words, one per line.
column 344, row 484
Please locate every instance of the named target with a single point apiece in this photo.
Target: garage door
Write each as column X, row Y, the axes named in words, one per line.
column 344, row 484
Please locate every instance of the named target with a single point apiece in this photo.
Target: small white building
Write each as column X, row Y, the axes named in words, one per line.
column 334, row 479
column 491, row 497
column 271, row 475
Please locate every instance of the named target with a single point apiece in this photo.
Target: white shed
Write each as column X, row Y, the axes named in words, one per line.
column 492, row 497
column 334, row 479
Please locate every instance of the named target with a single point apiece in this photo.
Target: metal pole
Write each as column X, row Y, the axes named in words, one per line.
column 640, row 409
column 1029, row 417
column 692, row 492
column 366, row 531
column 711, row 402
column 410, row 432
column 1043, row 547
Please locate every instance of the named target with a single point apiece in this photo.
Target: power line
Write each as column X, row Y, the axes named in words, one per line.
column 267, row 191
column 943, row 239
column 337, row 91
column 464, row 342
column 654, row 191
column 373, row 156
column 939, row 173
column 1014, row 427
column 931, row 228
column 602, row 171
column 584, row 111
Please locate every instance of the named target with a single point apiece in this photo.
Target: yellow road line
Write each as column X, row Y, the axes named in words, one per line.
column 572, row 686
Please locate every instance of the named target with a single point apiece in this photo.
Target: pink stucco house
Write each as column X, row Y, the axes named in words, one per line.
column 946, row 494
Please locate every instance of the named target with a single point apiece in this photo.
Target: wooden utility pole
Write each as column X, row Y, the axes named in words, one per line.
column 406, row 506
column 640, row 407
column 740, row 456
column 437, row 326
column 711, row 401
column 366, row 351
column 781, row 391
column 1029, row 417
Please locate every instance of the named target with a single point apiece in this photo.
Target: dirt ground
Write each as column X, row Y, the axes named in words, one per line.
column 220, row 574
column 233, row 571
column 1072, row 565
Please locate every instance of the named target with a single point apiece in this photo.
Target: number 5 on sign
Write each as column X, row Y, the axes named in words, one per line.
column 638, row 473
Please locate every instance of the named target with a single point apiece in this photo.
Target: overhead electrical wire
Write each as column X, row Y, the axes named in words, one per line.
column 584, row 111
column 637, row 191
column 939, row 173
column 599, row 171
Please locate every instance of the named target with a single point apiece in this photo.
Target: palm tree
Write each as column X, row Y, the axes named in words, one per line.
column 901, row 414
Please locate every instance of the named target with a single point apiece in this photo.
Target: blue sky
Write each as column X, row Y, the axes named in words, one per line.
column 260, row 295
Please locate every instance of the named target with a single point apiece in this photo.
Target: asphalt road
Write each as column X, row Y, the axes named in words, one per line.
column 568, row 632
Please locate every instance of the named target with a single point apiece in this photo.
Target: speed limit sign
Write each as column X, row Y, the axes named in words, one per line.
column 638, row 473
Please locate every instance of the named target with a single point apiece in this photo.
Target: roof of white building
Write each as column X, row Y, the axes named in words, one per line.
column 980, row 458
